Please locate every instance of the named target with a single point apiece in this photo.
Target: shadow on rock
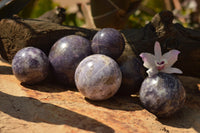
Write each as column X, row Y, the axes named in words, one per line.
column 50, row 84
column 6, row 70
column 117, row 102
column 33, row 110
column 185, row 118
column 46, row 87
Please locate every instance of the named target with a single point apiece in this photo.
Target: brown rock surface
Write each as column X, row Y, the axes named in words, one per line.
column 48, row 107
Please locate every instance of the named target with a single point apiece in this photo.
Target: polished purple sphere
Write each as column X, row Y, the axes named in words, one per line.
column 66, row 54
column 162, row 94
column 30, row 65
column 108, row 41
column 98, row 77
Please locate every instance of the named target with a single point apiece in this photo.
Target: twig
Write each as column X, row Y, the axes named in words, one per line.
column 88, row 16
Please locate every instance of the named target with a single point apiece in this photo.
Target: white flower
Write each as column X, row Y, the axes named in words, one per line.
column 160, row 63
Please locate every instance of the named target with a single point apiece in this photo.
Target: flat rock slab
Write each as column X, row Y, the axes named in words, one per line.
column 49, row 107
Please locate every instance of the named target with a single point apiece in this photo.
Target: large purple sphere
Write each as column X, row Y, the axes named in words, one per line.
column 98, row 77
column 108, row 41
column 66, row 54
column 162, row 94
column 30, row 65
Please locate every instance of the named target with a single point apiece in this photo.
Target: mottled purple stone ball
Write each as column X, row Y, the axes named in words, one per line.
column 108, row 41
column 163, row 94
column 66, row 54
column 98, row 77
column 30, row 65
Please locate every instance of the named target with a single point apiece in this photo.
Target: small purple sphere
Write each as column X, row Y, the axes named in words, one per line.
column 162, row 94
column 108, row 41
column 30, row 65
column 98, row 77
column 66, row 54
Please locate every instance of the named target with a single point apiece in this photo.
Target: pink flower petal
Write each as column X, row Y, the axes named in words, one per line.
column 171, row 57
column 172, row 70
column 157, row 50
column 152, row 72
column 148, row 59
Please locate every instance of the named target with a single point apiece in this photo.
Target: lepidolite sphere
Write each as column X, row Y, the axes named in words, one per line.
column 98, row 77
column 30, row 65
column 108, row 41
column 66, row 54
column 162, row 94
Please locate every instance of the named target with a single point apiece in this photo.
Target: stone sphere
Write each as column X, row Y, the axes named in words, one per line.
column 66, row 54
column 163, row 94
column 98, row 77
column 30, row 65
column 108, row 41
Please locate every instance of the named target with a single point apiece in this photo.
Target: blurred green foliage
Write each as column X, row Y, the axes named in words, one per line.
column 156, row 5
column 36, row 8
column 73, row 20
column 138, row 19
